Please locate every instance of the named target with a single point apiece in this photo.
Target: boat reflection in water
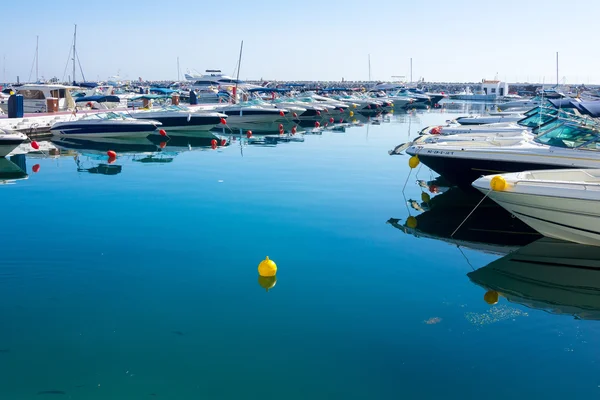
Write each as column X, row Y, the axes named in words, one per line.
column 10, row 172
column 550, row 275
column 102, row 145
column 490, row 228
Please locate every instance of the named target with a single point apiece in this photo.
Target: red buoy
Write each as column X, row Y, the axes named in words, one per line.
column 341, row 120
column 213, row 142
column 35, row 145
column 331, row 120
column 162, row 132
column 282, row 113
column 249, row 134
column 111, row 154
column 112, row 159
column 293, row 130
column 280, row 127
column 223, row 121
column 318, row 112
column 326, row 110
column 223, row 142
column 162, row 145
column 36, row 168
column 341, row 110
column 317, row 124
column 295, row 115
column 281, row 131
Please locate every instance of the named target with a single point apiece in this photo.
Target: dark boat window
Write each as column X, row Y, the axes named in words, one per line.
column 568, row 136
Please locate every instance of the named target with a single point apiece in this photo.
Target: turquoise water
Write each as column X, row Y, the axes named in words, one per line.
column 139, row 280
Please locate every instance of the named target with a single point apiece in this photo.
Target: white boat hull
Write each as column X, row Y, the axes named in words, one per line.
column 560, row 210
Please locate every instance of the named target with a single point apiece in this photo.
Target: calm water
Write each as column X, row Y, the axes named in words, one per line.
column 139, row 280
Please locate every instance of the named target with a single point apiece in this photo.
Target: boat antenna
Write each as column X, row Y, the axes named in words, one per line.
column 237, row 78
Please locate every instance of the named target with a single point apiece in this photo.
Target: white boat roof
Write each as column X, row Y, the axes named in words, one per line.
column 33, row 86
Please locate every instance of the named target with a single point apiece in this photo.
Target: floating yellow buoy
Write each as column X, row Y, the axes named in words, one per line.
column 411, row 222
column 267, row 282
column 353, row 105
column 425, row 197
column 491, row 297
column 267, row 267
column 352, row 113
column 413, row 162
column 498, row 183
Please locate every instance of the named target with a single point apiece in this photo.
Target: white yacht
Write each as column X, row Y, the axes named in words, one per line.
column 35, row 97
column 561, row 204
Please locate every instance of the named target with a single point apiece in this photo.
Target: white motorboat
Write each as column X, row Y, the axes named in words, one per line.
column 35, row 97
column 248, row 112
column 568, row 145
column 561, row 204
column 490, row 119
column 550, row 275
column 105, row 125
column 10, row 140
column 181, row 118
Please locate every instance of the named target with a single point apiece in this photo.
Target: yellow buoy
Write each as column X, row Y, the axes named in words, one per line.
column 425, row 197
column 491, row 297
column 352, row 113
column 413, row 162
column 353, row 105
column 267, row 282
column 267, row 267
column 498, row 183
column 411, row 222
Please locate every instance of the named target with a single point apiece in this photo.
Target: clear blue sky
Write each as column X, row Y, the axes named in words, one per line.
column 459, row 40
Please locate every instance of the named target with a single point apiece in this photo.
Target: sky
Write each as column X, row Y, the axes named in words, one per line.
column 449, row 41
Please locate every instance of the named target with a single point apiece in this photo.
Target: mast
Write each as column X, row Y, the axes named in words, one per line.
column 74, row 51
column 237, row 79
column 557, row 69
column 369, row 68
column 37, row 46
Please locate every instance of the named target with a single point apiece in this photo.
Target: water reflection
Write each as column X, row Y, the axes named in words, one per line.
column 548, row 274
column 490, row 228
column 12, row 171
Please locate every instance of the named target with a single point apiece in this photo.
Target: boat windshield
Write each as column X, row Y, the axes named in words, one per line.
column 571, row 136
column 541, row 117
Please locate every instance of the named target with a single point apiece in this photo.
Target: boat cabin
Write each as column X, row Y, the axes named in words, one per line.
column 35, row 97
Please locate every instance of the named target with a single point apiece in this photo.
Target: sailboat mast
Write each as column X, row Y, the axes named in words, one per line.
column 237, row 79
column 37, row 46
column 74, row 51
column 557, row 69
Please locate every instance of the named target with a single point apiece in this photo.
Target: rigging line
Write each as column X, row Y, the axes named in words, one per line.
column 465, row 220
column 32, row 65
column 466, row 258
column 79, row 62
column 67, row 65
